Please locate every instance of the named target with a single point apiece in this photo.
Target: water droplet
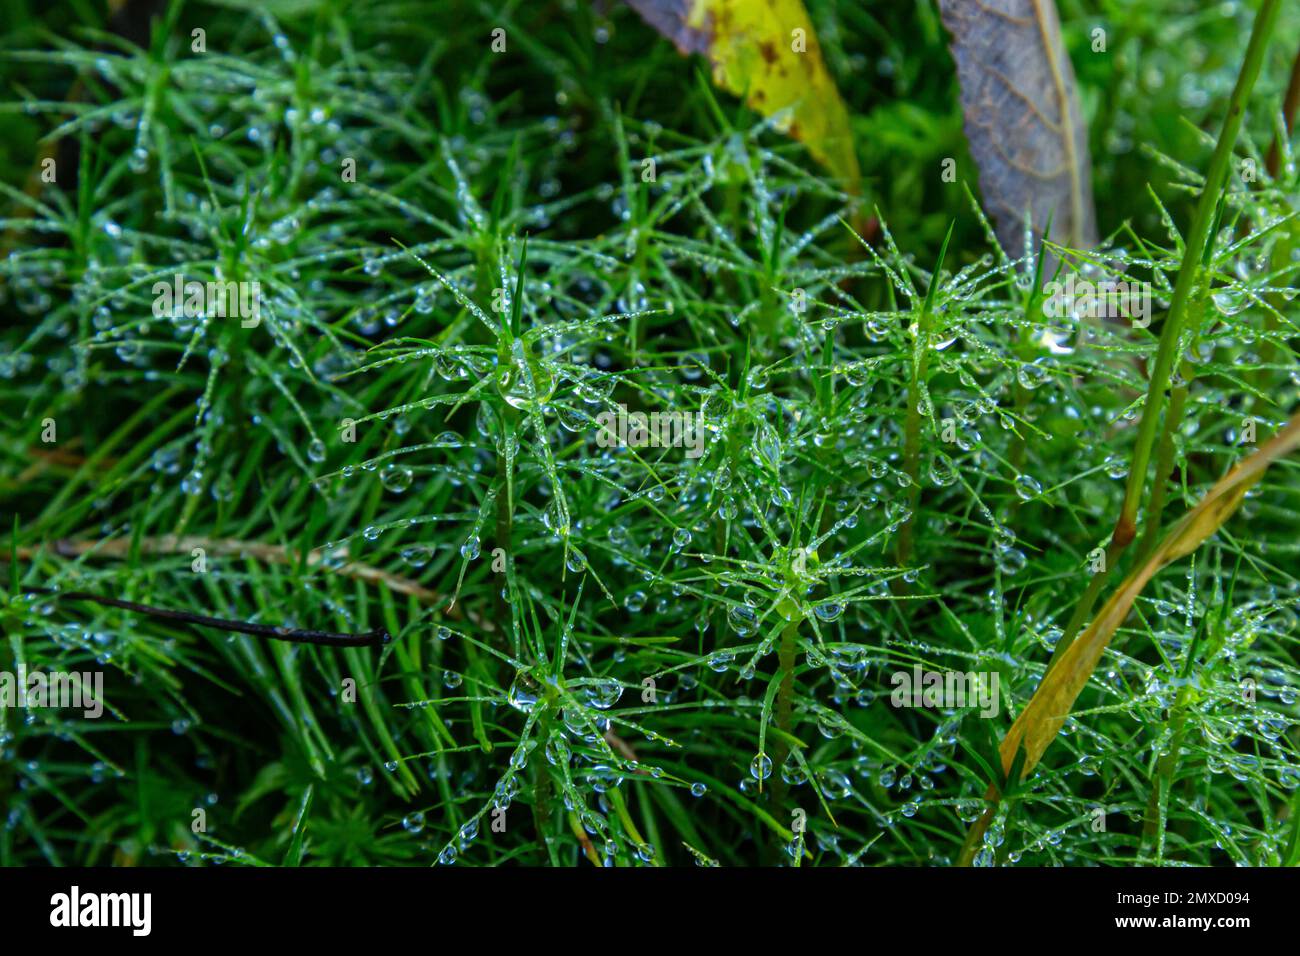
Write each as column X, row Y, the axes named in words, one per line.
column 829, row 611
column 1031, row 375
column 1027, row 487
column 417, row 555
column 395, row 478
column 603, row 694
column 743, row 619
column 1010, row 560
column 523, row 693
column 603, row 778
column 942, row 472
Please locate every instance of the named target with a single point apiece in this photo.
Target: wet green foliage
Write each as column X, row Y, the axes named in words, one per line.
column 628, row 655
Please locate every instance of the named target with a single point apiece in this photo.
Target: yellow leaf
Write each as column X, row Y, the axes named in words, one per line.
column 766, row 51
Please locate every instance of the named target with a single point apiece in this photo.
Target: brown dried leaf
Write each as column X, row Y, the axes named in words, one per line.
column 1022, row 119
column 672, row 19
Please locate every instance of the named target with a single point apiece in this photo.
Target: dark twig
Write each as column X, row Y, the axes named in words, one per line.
column 275, row 633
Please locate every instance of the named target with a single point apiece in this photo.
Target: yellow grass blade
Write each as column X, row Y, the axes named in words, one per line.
column 1047, row 710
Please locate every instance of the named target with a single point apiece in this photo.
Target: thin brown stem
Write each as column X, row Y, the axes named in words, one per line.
column 1290, row 104
column 232, row 547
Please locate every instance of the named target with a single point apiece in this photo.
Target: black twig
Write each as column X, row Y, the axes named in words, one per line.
column 276, row 633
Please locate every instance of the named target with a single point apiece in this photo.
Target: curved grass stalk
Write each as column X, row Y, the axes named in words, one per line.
column 1190, row 269
column 1189, row 275
column 1041, row 720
